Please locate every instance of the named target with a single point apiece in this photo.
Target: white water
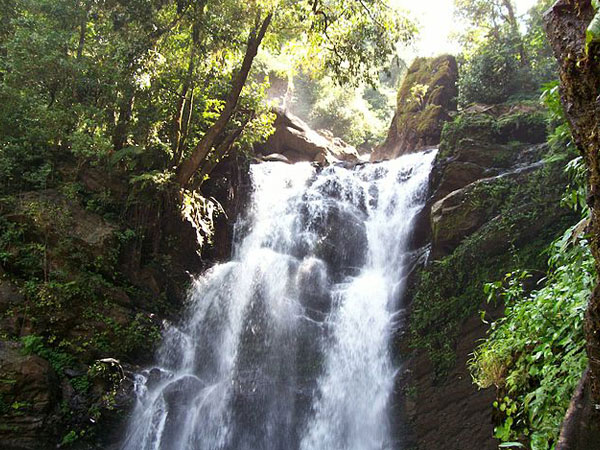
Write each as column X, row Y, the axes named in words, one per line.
column 288, row 345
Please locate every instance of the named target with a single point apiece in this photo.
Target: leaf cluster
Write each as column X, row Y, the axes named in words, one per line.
column 535, row 354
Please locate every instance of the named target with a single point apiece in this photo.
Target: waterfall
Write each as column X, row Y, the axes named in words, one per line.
column 288, row 345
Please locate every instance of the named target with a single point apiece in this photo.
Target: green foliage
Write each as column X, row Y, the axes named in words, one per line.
column 561, row 142
column 526, row 126
column 69, row 438
column 542, row 63
column 592, row 33
column 535, row 354
column 132, row 87
column 347, row 115
column 576, row 194
column 35, row 345
column 449, row 290
column 559, row 137
column 502, row 59
column 494, row 74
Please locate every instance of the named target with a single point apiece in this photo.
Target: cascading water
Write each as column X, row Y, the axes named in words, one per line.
column 287, row 346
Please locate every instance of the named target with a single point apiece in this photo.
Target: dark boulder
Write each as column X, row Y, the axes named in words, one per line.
column 295, row 141
column 343, row 239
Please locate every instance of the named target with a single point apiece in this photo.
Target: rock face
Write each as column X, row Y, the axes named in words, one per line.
column 29, row 395
column 493, row 201
column 466, row 209
column 98, row 287
column 425, row 101
column 295, row 141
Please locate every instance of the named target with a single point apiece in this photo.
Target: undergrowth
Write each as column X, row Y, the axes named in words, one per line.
column 535, row 354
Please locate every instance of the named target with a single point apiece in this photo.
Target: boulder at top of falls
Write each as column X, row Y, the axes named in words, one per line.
column 425, row 102
column 295, row 141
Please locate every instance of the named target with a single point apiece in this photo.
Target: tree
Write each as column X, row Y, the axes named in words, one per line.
column 347, row 36
column 200, row 153
column 492, row 16
column 163, row 85
column 500, row 59
column 566, row 25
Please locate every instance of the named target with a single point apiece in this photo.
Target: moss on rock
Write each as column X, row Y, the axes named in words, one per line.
column 425, row 100
column 516, row 222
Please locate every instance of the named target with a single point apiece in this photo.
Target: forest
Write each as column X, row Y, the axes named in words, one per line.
column 286, row 224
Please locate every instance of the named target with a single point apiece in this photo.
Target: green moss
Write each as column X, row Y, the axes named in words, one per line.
column 522, row 126
column 426, row 94
column 427, row 72
column 427, row 119
column 466, row 126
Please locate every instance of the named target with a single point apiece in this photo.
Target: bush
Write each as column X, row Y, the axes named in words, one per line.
column 535, row 355
column 494, row 74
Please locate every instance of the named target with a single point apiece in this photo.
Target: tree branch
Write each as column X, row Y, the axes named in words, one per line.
column 191, row 165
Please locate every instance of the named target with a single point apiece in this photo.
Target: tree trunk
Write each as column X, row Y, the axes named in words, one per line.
column 514, row 25
column 566, row 23
column 183, row 112
column 179, row 119
column 187, row 120
column 220, row 152
column 120, row 131
column 202, row 150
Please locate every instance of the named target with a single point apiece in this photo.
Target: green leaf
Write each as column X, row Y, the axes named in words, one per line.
column 592, row 33
column 511, row 444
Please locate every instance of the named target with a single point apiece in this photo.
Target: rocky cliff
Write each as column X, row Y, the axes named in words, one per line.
column 426, row 100
column 494, row 206
column 88, row 272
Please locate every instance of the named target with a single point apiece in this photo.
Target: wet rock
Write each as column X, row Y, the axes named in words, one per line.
column 276, row 157
column 484, row 154
column 458, row 174
column 343, row 240
column 464, row 211
column 181, row 392
column 313, row 288
column 452, row 219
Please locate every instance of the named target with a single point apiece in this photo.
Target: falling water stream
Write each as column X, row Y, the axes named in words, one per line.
column 287, row 347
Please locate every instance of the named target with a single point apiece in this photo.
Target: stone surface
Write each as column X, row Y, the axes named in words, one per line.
column 485, row 202
column 458, row 174
column 63, row 218
column 295, row 141
column 451, row 414
column 464, row 211
column 29, row 396
column 425, row 101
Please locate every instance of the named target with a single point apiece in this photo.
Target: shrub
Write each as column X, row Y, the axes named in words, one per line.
column 535, row 354
column 494, row 74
